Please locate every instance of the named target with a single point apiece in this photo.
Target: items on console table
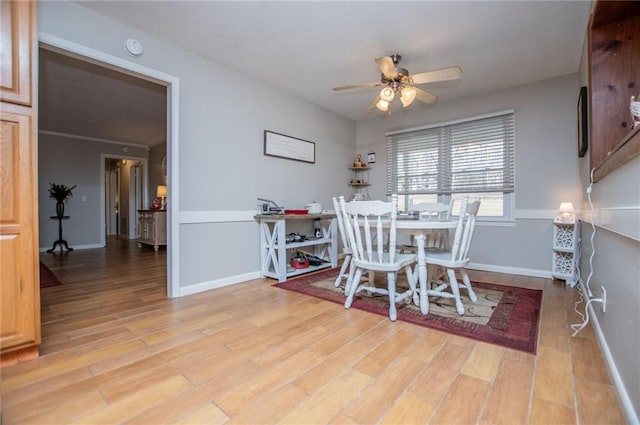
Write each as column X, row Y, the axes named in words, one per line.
column 153, row 228
column 276, row 251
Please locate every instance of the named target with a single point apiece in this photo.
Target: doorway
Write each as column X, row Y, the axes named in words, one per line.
column 124, row 194
column 171, row 85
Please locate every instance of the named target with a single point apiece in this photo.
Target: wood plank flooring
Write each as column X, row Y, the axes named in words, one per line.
column 115, row 350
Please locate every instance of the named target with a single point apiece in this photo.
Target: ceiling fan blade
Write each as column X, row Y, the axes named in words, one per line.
column 373, row 104
column 444, row 74
column 425, row 96
column 356, row 86
column 387, row 66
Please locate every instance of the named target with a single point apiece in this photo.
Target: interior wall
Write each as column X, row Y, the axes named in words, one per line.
column 546, row 166
column 72, row 161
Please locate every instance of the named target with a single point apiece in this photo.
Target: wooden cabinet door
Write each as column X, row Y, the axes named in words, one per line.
column 16, row 44
column 19, row 267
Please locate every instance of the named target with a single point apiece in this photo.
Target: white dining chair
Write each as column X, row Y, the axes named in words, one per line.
column 345, row 270
column 365, row 222
column 433, row 210
column 455, row 259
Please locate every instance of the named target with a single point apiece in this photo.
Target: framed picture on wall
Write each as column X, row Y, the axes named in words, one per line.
column 583, row 127
column 281, row 146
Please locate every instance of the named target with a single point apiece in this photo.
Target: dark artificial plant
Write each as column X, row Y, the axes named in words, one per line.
column 60, row 192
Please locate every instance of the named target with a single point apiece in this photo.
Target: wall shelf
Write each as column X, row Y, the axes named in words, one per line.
column 360, row 180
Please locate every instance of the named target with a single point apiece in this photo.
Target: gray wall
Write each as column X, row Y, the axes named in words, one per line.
column 546, row 167
column 69, row 161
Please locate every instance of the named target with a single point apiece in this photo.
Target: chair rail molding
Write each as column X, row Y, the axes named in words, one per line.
column 218, row 216
column 624, row 221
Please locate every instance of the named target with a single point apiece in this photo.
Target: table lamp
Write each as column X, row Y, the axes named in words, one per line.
column 161, row 192
column 566, row 212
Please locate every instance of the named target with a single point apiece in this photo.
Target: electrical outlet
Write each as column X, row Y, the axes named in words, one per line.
column 604, row 299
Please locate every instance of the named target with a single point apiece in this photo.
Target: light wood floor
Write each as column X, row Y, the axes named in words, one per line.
column 116, row 350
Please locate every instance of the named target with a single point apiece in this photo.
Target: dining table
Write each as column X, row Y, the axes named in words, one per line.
column 420, row 228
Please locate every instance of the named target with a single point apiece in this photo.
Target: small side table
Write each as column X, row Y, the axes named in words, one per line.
column 60, row 241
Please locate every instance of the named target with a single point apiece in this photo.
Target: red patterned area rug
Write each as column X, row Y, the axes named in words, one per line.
column 503, row 315
column 47, row 278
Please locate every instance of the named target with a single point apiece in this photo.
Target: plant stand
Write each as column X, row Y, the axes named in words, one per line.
column 63, row 244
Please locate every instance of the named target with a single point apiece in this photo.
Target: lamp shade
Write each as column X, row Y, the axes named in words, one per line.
column 382, row 105
column 387, row 94
column 566, row 207
column 161, row 191
column 407, row 95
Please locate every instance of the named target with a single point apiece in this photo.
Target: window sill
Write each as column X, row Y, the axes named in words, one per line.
column 499, row 222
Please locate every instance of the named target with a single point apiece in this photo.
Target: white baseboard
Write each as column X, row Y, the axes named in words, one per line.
column 510, row 270
column 625, row 400
column 220, row 283
column 90, row 246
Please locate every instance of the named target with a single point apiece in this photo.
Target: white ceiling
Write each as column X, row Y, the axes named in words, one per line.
column 308, row 47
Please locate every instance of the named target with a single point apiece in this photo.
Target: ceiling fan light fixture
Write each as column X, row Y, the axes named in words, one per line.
column 383, row 105
column 396, row 80
column 387, row 94
column 407, row 95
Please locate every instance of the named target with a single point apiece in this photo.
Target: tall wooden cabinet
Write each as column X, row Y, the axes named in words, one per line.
column 19, row 266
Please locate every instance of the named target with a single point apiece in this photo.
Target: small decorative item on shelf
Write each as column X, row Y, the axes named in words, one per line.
column 60, row 193
column 358, row 163
column 634, row 108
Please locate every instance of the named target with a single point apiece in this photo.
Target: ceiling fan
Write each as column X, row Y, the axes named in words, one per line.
column 397, row 80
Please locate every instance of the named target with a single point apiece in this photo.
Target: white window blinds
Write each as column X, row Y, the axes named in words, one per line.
column 472, row 156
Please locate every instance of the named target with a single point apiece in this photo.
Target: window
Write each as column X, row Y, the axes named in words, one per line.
column 474, row 157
